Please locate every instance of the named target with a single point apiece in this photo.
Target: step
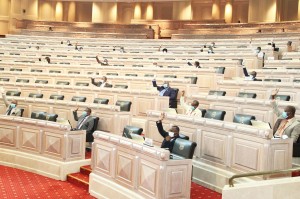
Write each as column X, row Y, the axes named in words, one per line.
column 86, row 169
column 79, row 179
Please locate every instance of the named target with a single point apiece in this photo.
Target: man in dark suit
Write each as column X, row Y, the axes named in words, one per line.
column 252, row 76
column 102, row 83
column 165, row 90
column 286, row 126
column 85, row 122
column 169, row 137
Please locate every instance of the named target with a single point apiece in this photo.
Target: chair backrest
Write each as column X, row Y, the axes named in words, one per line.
column 272, row 80
column 22, row 111
column 131, row 75
column 101, row 101
column 13, row 93
column 173, row 103
column 38, row 115
column 124, row 105
column 36, row 70
column 73, row 72
column 36, row 95
column 1, row 69
column 62, row 83
column 243, row 119
column 149, row 75
column 16, row 69
column 131, row 129
column 218, row 93
column 78, row 99
column 120, row 86
column 170, row 76
column 82, row 84
column 173, row 66
column 57, row 97
column 54, row 71
column 4, row 79
column 91, row 73
column 282, row 97
column 96, row 120
column 108, row 85
column 215, row 114
column 137, row 65
column 51, row 117
column 296, row 80
column 203, row 111
column 41, row 81
column 247, row 95
column 220, row 70
column 23, row 80
column 112, row 74
column 184, row 148
column 193, row 79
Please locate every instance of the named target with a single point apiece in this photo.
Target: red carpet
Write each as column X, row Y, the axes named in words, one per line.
column 19, row 184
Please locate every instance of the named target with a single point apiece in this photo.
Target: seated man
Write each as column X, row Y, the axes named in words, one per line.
column 252, row 76
column 286, row 126
column 190, row 110
column 102, row 83
column 169, row 137
column 85, row 122
column 12, row 107
column 103, row 63
column 196, row 64
column 165, row 90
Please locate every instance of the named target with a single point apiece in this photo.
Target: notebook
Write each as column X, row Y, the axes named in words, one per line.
column 261, row 124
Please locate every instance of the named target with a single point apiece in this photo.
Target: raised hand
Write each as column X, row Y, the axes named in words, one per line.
column 182, row 93
column 162, row 116
column 275, row 92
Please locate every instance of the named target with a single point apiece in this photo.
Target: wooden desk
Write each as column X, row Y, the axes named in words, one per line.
column 42, row 147
column 123, row 168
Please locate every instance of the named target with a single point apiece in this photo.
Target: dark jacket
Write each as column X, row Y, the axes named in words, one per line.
column 169, row 92
column 165, row 143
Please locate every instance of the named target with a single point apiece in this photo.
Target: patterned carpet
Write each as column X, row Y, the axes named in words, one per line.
column 19, row 184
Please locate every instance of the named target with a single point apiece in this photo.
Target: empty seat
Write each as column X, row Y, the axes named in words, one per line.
column 121, row 86
column 131, row 75
column 218, row 93
column 272, row 80
column 101, row 101
column 296, row 80
column 183, row 149
column 282, row 97
column 173, row 66
column 36, row 70
column 23, row 80
column 54, row 71
column 38, row 115
column 62, row 83
column 112, row 74
column 82, row 84
column 124, row 105
column 36, row 95
column 57, row 97
column 73, row 72
column 149, row 75
column 243, row 119
column 78, row 99
column 220, row 70
column 13, row 93
column 1, row 69
column 137, row 66
column 4, row 79
column 51, row 117
column 131, row 129
column 193, row 79
column 41, row 81
column 16, row 69
column 92, row 73
column 170, row 76
column 173, row 102
column 247, row 95
column 215, row 114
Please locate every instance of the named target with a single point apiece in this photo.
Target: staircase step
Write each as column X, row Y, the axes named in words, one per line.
column 86, row 169
column 79, row 179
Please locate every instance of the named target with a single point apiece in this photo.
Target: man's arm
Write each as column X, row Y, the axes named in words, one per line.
column 245, row 71
column 5, row 99
column 274, row 104
column 75, row 114
column 296, row 132
column 95, row 83
column 99, row 62
column 183, row 104
column 161, row 130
